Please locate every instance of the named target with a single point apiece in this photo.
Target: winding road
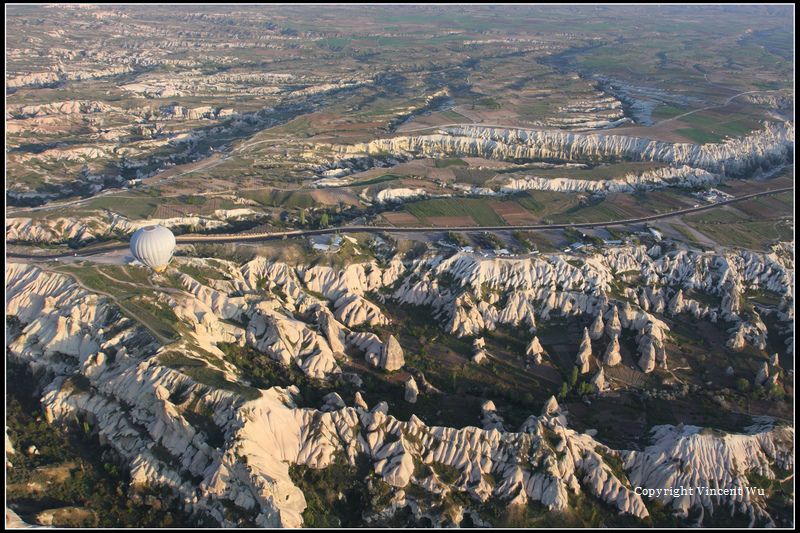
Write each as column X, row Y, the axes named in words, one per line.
column 163, row 340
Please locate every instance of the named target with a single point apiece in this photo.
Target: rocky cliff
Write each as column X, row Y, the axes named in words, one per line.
column 176, row 430
column 775, row 142
column 683, row 176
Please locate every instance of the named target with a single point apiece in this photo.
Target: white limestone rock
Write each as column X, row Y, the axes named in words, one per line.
column 771, row 381
column 286, row 340
column 598, row 382
column 332, row 330
column 411, row 390
column 479, row 357
column 612, row 355
column 490, row 419
column 583, row 359
column 551, row 406
column 534, row 349
column 676, row 305
column 333, row 401
column 369, row 343
column 737, row 342
column 499, row 143
column 597, row 327
column 762, row 375
column 682, row 454
column 391, row 355
column 359, row 402
column 354, row 310
column 613, row 326
column 647, row 361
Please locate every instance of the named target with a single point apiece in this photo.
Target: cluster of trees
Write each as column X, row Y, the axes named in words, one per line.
column 527, row 245
column 581, row 389
column 96, row 482
column 774, row 392
column 323, row 222
column 456, row 238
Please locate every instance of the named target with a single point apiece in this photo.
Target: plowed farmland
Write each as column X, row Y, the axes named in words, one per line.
column 514, row 214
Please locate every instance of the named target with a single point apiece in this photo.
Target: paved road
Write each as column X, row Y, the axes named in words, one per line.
column 199, row 239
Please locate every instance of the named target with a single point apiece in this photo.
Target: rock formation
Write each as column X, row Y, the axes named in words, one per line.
column 708, row 455
column 647, row 361
column 411, row 390
column 583, row 358
column 495, row 143
column 762, row 375
column 490, row 419
column 613, row 326
column 771, row 381
column 535, row 350
column 598, row 382
column 612, row 355
column 391, row 355
column 597, row 327
column 129, row 367
column 359, row 402
column 551, row 406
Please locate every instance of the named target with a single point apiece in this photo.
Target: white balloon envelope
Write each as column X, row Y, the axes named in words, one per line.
column 153, row 246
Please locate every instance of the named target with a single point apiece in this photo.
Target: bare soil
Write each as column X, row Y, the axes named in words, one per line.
column 400, row 218
column 334, row 196
column 513, row 213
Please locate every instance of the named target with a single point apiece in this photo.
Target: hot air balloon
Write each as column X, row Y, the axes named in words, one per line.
column 153, row 246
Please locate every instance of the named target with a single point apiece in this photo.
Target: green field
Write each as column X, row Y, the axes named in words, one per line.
column 127, row 273
column 133, row 299
column 476, row 208
column 474, row 176
column 454, row 115
column 590, row 213
column 546, row 202
column 685, row 232
column 716, row 216
column 371, row 181
column 736, row 125
column 278, row 198
column 541, row 242
column 700, row 136
column 155, row 316
column 135, row 207
column 768, row 207
column 334, row 43
column 450, row 162
column 732, row 229
column 664, row 112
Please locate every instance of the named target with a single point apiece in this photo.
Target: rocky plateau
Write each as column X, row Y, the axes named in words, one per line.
column 98, row 366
